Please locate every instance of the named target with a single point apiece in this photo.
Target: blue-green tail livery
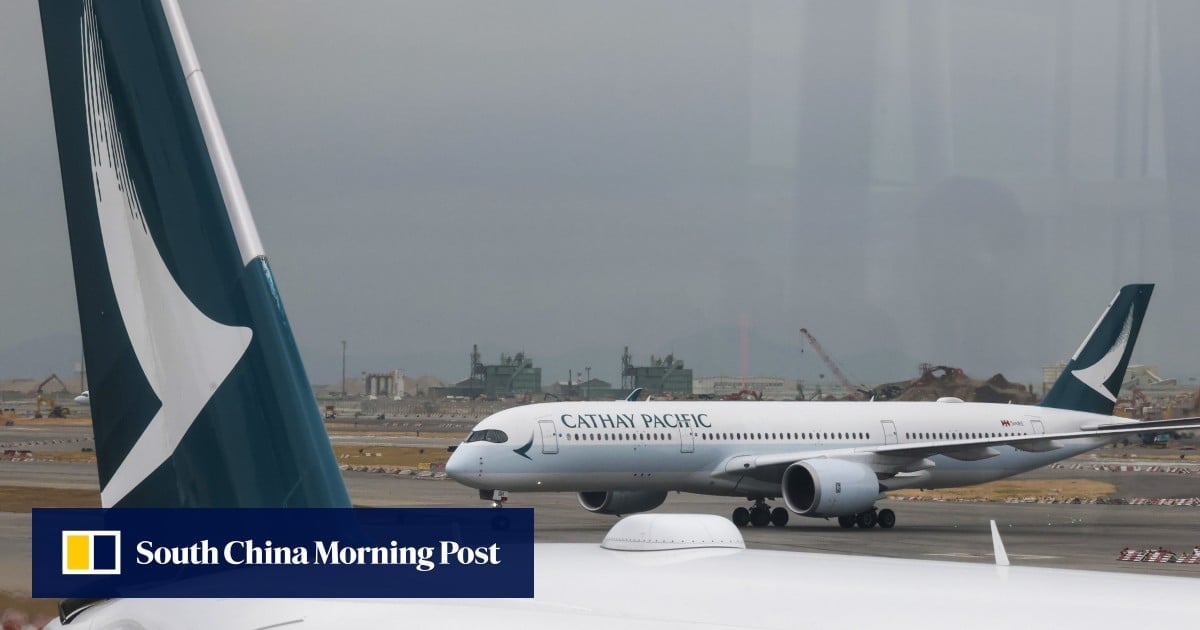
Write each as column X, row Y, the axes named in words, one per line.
column 1092, row 378
column 198, row 395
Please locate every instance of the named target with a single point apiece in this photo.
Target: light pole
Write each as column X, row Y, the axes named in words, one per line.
column 343, row 369
column 587, row 388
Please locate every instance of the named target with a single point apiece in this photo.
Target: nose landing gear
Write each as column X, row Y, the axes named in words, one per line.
column 497, row 497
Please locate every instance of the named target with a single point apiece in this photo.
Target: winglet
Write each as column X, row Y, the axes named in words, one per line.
column 633, row 395
column 998, row 547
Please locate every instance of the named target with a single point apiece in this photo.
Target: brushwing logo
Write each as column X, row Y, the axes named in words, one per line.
column 184, row 354
column 91, row 552
column 1100, row 371
column 525, row 449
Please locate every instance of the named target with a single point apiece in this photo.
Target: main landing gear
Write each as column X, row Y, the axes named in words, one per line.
column 760, row 515
column 884, row 518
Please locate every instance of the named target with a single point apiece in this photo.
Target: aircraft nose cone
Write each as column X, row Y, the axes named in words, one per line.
column 456, row 466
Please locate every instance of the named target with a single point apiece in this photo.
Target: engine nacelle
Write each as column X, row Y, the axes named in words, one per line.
column 829, row 487
column 621, row 502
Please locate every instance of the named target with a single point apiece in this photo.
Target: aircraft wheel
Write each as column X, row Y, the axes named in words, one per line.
column 741, row 517
column 760, row 517
column 887, row 518
column 866, row 520
column 779, row 517
column 846, row 522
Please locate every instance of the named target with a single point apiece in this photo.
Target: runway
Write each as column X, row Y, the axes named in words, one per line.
column 1063, row 536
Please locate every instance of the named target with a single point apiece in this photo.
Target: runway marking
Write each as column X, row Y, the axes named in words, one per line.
column 1018, row 556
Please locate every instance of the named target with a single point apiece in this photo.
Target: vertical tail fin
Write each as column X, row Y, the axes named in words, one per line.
column 1092, row 379
column 198, row 395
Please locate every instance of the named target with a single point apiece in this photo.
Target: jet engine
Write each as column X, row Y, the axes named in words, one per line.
column 829, row 487
column 621, row 502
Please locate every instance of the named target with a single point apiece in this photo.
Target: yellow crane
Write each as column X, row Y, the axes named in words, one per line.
column 55, row 410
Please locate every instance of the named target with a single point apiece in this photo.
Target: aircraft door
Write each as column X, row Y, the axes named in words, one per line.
column 889, row 432
column 1035, row 425
column 549, row 437
column 687, row 440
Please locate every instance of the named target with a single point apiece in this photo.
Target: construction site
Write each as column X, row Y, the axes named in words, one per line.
column 516, row 379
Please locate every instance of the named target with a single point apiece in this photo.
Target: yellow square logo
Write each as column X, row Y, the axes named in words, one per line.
column 91, row 552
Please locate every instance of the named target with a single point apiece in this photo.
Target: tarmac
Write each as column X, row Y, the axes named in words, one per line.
column 1084, row 536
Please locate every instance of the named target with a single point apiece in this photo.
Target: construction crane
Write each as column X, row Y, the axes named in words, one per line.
column 833, row 367
column 56, row 410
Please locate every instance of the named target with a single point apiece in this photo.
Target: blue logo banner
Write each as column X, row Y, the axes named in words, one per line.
column 361, row 552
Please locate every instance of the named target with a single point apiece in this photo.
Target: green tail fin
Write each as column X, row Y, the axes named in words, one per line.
column 198, row 395
column 1092, row 379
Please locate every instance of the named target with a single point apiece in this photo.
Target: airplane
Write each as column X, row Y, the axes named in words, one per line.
column 825, row 460
column 84, row 398
column 202, row 400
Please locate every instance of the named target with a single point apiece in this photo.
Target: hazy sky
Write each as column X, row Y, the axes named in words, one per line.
column 964, row 183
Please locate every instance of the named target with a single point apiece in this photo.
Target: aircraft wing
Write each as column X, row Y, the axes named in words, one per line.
column 914, row 456
column 1148, row 425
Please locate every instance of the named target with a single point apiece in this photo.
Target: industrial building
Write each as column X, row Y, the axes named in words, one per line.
column 590, row 389
column 515, row 375
column 384, row 384
column 664, row 375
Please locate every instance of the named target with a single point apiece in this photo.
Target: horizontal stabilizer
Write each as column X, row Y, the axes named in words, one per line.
column 1149, row 425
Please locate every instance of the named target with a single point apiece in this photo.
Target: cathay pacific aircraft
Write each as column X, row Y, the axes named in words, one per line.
column 201, row 400
column 828, row 459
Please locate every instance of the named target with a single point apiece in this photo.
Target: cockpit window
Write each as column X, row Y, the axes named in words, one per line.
column 488, row 435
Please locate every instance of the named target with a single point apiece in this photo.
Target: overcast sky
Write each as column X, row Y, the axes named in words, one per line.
column 964, row 183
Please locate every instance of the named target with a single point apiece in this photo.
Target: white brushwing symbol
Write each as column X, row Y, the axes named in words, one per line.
column 1102, row 370
column 184, row 354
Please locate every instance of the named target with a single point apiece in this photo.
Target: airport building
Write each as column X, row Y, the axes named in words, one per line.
column 1143, row 377
column 769, row 387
